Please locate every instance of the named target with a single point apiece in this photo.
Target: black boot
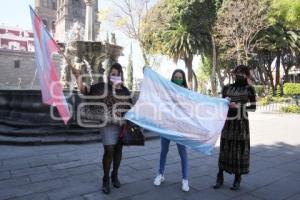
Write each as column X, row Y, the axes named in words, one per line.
column 236, row 182
column 115, row 181
column 220, row 180
column 106, row 185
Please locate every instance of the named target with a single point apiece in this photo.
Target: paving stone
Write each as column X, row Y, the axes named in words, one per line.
column 35, row 196
column 14, row 182
column 4, row 175
column 31, row 188
column 74, row 172
column 278, row 190
column 28, row 171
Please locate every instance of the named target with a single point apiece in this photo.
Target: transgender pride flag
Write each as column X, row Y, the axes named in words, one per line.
column 179, row 114
column 45, row 47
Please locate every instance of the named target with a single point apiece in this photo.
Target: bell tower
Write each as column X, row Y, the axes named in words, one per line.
column 46, row 9
column 69, row 12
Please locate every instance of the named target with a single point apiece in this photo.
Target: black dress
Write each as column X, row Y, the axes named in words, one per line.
column 234, row 155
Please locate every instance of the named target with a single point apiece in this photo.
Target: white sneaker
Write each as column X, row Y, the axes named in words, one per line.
column 185, row 185
column 158, row 179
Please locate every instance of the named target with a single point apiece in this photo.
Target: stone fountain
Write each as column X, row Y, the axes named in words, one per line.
column 86, row 54
column 24, row 119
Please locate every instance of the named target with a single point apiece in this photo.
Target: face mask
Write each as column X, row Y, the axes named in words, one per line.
column 178, row 81
column 240, row 80
column 116, row 79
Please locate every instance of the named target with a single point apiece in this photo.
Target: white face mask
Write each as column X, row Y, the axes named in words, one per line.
column 116, row 79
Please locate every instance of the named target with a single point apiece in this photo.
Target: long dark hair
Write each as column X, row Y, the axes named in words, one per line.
column 184, row 84
column 118, row 67
column 242, row 69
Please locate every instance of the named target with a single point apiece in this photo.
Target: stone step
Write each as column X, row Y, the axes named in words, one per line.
column 47, row 140
column 58, row 139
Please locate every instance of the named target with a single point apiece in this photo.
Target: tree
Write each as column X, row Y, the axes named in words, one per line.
column 203, row 74
column 177, row 29
column 237, row 26
column 281, row 38
column 130, row 71
column 129, row 17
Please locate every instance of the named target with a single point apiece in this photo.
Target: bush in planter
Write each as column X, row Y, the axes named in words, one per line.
column 265, row 100
column 291, row 89
column 291, row 109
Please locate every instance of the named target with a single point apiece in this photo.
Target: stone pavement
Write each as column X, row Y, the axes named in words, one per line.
column 74, row 171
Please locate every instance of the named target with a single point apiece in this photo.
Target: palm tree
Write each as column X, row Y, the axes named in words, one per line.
column 183, row 44
column 283, row 42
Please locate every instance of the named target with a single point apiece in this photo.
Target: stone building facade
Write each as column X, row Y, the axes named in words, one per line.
column 46, row 9
column 60, row 15
column 17, row 62
column 17, row 70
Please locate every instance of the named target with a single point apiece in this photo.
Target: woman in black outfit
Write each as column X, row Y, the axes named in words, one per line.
column 234, row 157
column 111, row 94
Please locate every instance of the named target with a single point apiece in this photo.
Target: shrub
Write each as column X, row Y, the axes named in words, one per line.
column 260, row 90
column 291, row 109
column 265, row 100
column 291, row 88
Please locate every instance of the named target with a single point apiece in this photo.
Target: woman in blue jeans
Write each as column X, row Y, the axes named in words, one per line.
column 178, row 78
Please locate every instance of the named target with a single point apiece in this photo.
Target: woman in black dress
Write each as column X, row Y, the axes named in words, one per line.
column 234, row 154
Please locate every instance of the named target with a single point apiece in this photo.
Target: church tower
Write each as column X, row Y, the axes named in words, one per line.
column 46, row 9
column 69, row 12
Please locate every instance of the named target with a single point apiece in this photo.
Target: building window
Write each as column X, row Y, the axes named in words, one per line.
column 44, row 3
column 52, row 4
column 45, row 22
column 17, row 63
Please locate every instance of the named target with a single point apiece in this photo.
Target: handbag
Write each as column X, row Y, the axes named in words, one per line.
column 131, row 135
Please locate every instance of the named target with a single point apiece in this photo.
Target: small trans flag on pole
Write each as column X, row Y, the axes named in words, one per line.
column 179, row 114
column 45, row 47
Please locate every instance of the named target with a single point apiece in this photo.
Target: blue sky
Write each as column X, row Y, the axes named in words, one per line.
column 16, row 13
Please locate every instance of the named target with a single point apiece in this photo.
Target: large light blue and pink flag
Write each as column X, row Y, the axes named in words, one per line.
column 45, row 47
column 179, row 114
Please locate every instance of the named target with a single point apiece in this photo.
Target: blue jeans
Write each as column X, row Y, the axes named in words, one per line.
column 163, row 157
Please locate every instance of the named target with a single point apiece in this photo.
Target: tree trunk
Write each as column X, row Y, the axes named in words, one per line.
column 195, row 81
column 261, row 76
column 145, row 58
column 189, row 65
column 214, row 67
column 270, row 75
column 277, row 71
column 221, row 79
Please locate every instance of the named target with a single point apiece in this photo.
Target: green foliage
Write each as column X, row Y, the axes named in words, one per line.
column 285, row 11
column 260, row 90
column 203, row 73
column 278, row 91
column 291, row 109
column 291, row 88
column 270, row 99
column 265, row 100
column 177, row 28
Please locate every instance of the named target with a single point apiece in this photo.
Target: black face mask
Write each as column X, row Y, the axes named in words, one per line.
column 240, row 80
